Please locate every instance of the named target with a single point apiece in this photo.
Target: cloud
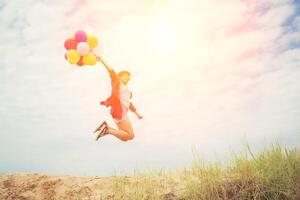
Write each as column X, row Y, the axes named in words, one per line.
column 205, row 74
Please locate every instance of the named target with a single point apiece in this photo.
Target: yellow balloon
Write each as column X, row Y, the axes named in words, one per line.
column 92, row 41
column 89, row 59
column 73, row 56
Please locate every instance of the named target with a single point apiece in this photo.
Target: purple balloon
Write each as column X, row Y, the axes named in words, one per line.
column 80, row 36
column 66, row 56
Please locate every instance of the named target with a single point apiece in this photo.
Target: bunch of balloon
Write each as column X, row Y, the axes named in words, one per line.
column 80, row 49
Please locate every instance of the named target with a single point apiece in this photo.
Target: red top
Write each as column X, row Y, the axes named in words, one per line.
column 114, row 99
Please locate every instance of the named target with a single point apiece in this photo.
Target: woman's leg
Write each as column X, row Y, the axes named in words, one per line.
column 125, row 131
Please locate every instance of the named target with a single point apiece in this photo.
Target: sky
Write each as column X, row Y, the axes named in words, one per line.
column 208, row 77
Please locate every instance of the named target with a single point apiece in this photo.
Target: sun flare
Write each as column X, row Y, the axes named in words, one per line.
column 161, row 35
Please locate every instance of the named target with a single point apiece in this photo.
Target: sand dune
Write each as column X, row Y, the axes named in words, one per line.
column 37, row 186
column 23, row 186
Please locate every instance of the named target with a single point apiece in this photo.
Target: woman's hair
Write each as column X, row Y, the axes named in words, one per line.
column 123, row 73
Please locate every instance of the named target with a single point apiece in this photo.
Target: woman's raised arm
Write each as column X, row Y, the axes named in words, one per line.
column 113, row 76
column 100, row 59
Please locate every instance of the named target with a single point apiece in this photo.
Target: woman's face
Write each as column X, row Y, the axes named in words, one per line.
column 125, row 78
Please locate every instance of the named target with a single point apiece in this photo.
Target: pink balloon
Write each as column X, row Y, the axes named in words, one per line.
column 83, row 48
column 80, row 36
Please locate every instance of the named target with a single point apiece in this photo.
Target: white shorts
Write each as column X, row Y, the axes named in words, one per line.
column 124, row 115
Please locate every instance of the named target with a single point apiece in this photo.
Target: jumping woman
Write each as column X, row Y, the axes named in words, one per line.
column 119, row 101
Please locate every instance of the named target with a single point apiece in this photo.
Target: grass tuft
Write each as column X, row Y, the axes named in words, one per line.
column 272, row 174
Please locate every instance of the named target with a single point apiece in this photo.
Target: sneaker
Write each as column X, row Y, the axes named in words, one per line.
column 102, row 133
column 101, row 125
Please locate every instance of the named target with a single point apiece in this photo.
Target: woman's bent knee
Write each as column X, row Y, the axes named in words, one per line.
column 131, row 136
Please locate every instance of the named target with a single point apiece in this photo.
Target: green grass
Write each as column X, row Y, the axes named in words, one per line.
column 273, row 174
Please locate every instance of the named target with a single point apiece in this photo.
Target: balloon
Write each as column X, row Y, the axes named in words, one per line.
column 80, row 62
column 92, row 41
column 73, row 56
column 89, row 59
column 80, row 36
column 83, row 48
column 70, row 44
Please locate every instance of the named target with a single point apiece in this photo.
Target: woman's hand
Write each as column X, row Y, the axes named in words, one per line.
column 98, row 58
column 138, row 115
